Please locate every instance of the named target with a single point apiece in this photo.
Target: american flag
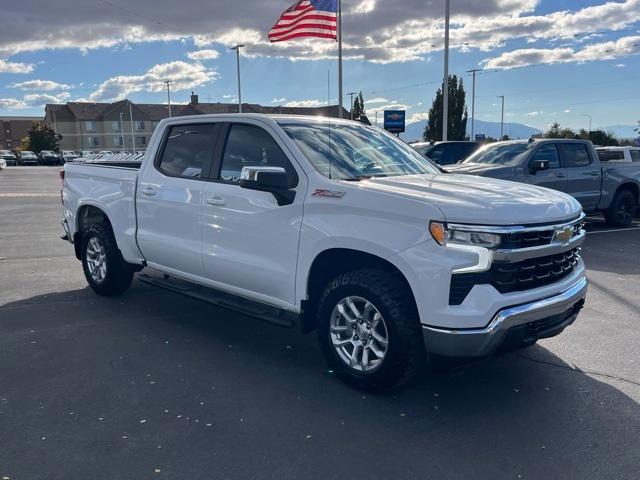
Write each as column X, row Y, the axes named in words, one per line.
column 307, row 18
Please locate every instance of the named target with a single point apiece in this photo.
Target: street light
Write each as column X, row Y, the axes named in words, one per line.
column 237, row 49
column 445, row 92
column 122, row 130
column 590, row 120
column 168, row 82
column 502, row 118
column 473, row 104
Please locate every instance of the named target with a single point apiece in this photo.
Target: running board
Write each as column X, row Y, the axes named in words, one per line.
column 258, row 310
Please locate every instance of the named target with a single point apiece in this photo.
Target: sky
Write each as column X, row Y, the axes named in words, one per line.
column 553, row 60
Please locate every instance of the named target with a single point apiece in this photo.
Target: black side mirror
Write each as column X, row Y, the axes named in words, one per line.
column 268, row 179
column 539, row 165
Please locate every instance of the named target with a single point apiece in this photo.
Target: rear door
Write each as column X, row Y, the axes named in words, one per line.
column 585, row 175
column 555, row 177
column 169, row 199
column 250, row 243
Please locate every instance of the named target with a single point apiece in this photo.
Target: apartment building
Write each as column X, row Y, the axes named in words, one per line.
column 13, row 130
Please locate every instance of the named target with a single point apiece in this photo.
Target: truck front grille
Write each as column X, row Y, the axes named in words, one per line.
column 516, row 277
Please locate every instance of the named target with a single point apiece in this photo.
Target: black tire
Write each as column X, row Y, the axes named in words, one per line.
column 622, row 209
column 118, row 275
column 391, row 296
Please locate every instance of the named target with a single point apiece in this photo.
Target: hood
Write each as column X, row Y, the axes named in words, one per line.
column 480, row 169
column 481, row 200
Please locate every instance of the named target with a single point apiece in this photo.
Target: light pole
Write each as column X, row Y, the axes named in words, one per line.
column 122, row 130
column 133, row 138
column 445, row 88
column 473, row 104
column 351, row 94
column 502, row 118
column 237, row 49
column 168, row 82
column 590, row 120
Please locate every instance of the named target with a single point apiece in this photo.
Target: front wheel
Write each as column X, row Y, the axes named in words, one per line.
column 622, row 209
column 104, row 268
column 369, row 330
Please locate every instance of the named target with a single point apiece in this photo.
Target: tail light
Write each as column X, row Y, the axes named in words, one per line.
column 61, row 173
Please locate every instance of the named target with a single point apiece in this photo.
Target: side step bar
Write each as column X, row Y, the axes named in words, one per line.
column 258, row 310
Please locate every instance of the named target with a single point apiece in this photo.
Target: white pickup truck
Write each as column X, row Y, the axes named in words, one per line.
column 337, row 227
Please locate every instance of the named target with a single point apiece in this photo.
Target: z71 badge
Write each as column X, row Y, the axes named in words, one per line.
column 328, row 193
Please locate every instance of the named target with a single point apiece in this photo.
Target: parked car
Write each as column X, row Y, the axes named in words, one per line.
column 69, row 155
column 27, row 157
column 105, row 152
column 9, row 157
column 49, row 157
column 446, row 153
column 618, row 154
column 86, row 153
column 3, row 164
column 372, row 246
column 570, row 166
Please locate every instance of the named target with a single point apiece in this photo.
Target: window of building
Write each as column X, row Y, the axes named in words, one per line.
column 139, row 124
column 154, row 125
column 93, row 141
column 115, row 126
column 90, row 126
column 117, row 140
column 249, row 146
column 188, row 150
column 141, row 140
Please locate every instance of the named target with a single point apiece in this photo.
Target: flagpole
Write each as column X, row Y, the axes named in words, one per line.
column 339, row 59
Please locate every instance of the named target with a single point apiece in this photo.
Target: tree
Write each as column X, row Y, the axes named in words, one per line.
column 555, row 131
column 600, row 137
column 358, row 107
column 457, row 124
column 41, row 137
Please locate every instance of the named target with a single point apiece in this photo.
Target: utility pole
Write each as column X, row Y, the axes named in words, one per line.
column 351, row 94
column 473, row 104
column 590, row 120
column 445, row 84
column 502, row 118
column 237, row 49
column 122, row 129
column 168, row 82
column 133, row 138
column 339, row 58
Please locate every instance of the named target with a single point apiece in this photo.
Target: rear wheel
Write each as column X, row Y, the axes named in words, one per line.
column 369, row 330
column 622, row 209
column 104, row 268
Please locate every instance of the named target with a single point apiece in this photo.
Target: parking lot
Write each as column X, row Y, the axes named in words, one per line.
column 154, row 385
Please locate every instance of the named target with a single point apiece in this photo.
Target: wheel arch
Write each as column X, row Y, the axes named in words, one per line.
column 332, row 262
column 632, row 187
column 88, row 214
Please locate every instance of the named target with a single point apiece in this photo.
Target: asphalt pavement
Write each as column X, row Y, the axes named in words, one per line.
column 151, row 385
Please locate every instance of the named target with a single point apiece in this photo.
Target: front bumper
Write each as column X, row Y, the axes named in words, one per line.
column 511, row 327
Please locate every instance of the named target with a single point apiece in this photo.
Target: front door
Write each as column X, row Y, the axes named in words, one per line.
column 250, row 243
column 170, row 198
column 585, row 177
column 554, row 177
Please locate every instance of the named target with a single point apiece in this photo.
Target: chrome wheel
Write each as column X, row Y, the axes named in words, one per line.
column 96, row 259
column 359, row 334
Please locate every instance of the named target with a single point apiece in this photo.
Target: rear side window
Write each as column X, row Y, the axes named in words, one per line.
column 575, row 155
column 635, row 155
column 188, row 151
column 436, row 154
column 610, row 155
column 548, row 152
column 249, row 146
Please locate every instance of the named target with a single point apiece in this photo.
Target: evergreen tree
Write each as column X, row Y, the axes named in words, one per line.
column 457, row 125
column 42, row 137
column 358, row 107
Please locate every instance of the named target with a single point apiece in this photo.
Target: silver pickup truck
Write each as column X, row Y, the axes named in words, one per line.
column 571, row 166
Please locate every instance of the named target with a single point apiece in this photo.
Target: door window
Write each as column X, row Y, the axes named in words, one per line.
column 548, row 152
column 249, row 146
column 635, row 155
column 575, row 155
column 436, row 154
column 187, row 151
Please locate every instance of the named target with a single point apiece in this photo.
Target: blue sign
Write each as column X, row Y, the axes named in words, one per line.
column 480, row 137
column 394, row 121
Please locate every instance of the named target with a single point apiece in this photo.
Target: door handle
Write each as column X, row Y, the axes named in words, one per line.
column 216, row 201
column 592, row 174
column 149, row 191
column 561, row 175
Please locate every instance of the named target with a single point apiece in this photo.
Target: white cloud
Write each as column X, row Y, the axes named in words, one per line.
column 183, row 76
column 32, row 100
column 305, row 103
column 15, row 67
column 534, row 114
column 278, row 100
column 567, row 110
column 417, row 117
column 620, row 65
column 622, row 47
column 376, row 100
column 41, row 85
column 207, row 54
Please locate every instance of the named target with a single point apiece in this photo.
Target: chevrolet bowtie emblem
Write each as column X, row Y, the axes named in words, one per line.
column 563, row 235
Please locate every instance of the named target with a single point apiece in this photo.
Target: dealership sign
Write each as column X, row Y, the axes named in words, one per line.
column 394, row 120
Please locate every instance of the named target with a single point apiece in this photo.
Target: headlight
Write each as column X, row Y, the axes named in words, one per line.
column 445, row 236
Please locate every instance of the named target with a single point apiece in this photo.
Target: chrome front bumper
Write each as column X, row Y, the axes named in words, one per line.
column 540, row 319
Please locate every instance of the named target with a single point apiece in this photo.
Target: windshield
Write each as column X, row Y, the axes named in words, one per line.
column 5, row 152
column 353, row 152
column 499, row 154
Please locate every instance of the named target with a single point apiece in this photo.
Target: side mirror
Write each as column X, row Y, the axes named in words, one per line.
column 268, row 179
column 539, row 165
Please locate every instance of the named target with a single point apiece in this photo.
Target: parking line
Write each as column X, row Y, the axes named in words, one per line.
column 20, row 194
column 616, row 230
